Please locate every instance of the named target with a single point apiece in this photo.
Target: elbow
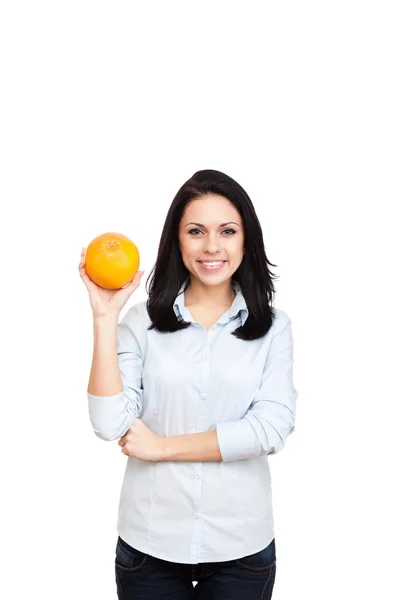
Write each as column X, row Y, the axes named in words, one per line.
column 106, row 429
column 271, row 433
column 110, row 416
column 108, row 436
column 274, row 440
column 109, row 432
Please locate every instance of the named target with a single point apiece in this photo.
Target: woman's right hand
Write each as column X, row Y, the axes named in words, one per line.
column 106, row 302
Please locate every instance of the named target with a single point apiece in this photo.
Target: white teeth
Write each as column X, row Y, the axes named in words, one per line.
column 212, row 264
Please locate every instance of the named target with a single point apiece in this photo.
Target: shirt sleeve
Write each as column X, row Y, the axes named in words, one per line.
column 271, row 416
column 111, row 416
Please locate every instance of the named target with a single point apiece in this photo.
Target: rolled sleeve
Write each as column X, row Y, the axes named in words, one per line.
column 271, row 416
column 112, row 416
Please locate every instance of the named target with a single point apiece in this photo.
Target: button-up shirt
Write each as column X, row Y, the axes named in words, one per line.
column 191, row 381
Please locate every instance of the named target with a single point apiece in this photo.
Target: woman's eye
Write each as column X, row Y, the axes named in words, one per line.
column 232, row 231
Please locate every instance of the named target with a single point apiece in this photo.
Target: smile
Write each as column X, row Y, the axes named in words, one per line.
column 212, row 265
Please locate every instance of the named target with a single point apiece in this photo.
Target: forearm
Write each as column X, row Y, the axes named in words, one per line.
column 105, row 378
column 193, row 447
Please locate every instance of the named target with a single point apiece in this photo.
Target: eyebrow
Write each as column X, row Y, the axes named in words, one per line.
column 222, row 224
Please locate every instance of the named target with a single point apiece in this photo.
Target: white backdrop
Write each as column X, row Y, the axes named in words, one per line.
column 106, row 109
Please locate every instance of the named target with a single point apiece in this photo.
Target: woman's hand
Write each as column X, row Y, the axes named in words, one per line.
column 140, row 442
column 106, row 302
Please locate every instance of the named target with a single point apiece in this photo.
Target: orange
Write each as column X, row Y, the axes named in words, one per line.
column 112, row 260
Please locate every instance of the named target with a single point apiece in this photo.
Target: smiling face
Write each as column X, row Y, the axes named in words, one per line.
column 211, row 231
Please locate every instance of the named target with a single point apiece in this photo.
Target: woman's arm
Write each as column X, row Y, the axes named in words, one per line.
column 115, row 393
column 105, row 378
column 192, row 447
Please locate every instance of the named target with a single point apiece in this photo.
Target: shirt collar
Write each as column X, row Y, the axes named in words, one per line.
column 238, row 306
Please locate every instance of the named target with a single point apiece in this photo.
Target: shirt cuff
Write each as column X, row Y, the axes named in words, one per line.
column 237, row 440
column 93, row 397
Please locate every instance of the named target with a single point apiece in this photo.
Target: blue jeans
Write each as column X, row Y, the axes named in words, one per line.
column 142, row 577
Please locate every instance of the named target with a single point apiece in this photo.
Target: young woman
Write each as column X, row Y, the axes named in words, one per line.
column 196, row 383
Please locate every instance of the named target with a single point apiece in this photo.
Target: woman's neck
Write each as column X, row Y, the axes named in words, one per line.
column 210, row 296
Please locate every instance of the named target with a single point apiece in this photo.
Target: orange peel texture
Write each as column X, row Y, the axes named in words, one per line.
column 112, row 260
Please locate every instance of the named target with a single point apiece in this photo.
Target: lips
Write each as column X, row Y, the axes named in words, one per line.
column 212, row 267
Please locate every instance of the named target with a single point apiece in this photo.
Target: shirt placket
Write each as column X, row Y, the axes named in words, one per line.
column 208, row 337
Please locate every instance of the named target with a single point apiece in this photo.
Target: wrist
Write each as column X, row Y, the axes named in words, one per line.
column 163, row 449
column 102, row 320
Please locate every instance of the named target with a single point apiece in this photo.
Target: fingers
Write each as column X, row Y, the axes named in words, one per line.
column 82, row 272
column 81, row 265
column 134, row 284
column 137, row 279
column 122, row 441
column 86, row 279
column 83, row 257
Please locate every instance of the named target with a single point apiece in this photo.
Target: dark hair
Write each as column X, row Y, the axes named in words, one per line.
column 253, row 274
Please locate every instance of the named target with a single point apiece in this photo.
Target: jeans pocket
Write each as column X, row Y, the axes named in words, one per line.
column 260, row 561
column 128, row 559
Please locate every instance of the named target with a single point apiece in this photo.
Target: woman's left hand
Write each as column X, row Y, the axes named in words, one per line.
column 140, row 442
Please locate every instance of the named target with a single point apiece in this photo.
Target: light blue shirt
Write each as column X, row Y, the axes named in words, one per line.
column 191, row 381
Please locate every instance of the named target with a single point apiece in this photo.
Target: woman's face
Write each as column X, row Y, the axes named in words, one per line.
column 211, row 230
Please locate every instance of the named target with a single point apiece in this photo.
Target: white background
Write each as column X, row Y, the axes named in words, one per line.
column 106, row 109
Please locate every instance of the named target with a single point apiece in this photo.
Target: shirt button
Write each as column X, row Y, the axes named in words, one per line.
column 197, row 475
column 196, row 516
column 203, row 396
column 205, row 357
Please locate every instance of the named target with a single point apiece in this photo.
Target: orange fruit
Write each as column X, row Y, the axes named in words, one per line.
column 112, row 260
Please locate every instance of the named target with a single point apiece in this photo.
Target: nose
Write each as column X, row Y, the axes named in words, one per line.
column 212, row 244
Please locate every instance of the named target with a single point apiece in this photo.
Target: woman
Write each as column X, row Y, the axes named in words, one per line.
column 197, row 385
